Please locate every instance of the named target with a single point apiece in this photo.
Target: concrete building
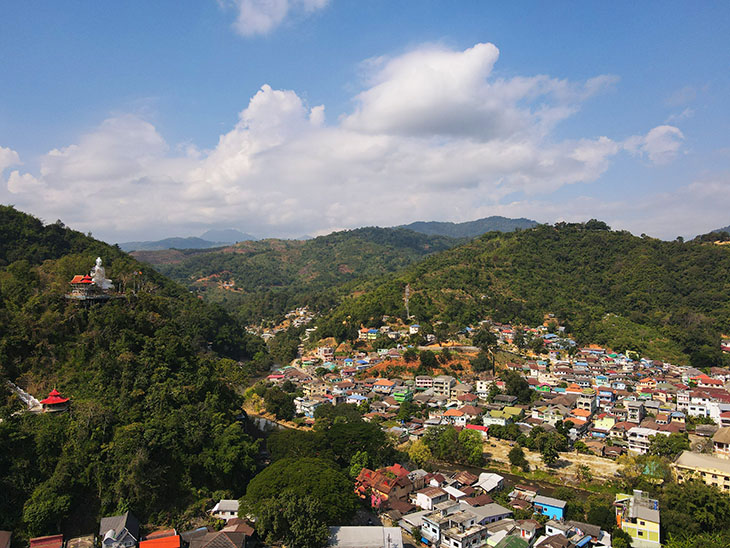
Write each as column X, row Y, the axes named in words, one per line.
column 712, row 470
column 639, row 516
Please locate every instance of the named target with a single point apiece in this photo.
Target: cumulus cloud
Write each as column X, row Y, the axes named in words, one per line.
column 8, row 158
column 660, row 145
column 260, row 17
column 438, row 91
column 433, row 135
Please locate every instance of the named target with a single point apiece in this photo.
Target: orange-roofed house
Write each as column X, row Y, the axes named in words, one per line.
column 455, row 416
column 381, row 486
column 172, row 541
column 573, row 389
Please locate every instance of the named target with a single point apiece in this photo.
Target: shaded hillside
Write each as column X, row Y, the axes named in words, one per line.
column 470, row 229
column 152, row 426
column 609, row 287
column 268, row 277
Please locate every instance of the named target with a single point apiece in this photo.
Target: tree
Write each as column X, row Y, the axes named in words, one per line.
column 358, row 461
column 419, row 453
column 410, row 355
column 549, row 452
column 669, row 446
column 481, row 362
column 516, row 385
column 584, row 473
column 517, row 458
column 294, row 520
column 305, row 477
column 428, row 359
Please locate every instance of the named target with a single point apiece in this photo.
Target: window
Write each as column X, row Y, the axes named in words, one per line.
column 642, row 523
column 641, row 533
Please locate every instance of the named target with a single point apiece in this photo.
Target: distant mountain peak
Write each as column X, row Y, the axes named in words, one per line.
column 226, row 235
column 470, row 229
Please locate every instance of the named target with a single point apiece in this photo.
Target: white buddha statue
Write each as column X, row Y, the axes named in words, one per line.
column 98, row 275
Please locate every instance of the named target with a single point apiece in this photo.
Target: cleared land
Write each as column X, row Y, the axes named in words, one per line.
column 567, row 466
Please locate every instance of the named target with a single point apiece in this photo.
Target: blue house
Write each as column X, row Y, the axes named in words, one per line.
column 548, row 506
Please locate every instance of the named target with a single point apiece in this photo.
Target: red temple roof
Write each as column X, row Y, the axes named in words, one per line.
column 79, row 279
column 54, row 398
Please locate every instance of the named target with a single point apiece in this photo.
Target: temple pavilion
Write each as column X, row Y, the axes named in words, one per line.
column 55, row 402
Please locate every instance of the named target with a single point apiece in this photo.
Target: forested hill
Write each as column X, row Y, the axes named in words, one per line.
column 151, row 376
column 670, row 298
column 470, row 229
column 266, row 278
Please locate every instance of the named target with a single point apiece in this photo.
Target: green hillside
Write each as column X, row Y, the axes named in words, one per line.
column 608, row 287
column 266, row 278
column 151, row 376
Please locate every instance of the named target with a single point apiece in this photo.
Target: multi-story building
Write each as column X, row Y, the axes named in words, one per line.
column 587, row 401
column 424, row 382
column 711, row 469
column 639, row 438
column 638, row 515
column 442, row 385
column 634, row 411
column 451, row 527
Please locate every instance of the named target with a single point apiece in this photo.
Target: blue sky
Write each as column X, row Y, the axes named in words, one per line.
column 141, row 120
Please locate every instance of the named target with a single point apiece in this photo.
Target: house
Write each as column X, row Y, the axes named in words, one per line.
column 172, row 541
column 219, row 539
column 5, row 538
column 638, row 515
column 225, row 509
column 721, row 442
column 365, row 537
column 50, row 541
column 489, row 481
column 429, row 497
column 548, row 506
column 119, row 531
column 382, row 485
column 455, row 417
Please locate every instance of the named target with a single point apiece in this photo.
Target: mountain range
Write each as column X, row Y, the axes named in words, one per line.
column 211, row 238
column 217, row 238
column 470, row 229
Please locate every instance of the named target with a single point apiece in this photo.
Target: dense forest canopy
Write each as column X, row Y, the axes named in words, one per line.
column 609, row 287
column 152, row 377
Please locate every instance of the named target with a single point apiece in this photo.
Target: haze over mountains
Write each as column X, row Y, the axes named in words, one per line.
column 211, row 238
column 220, row 237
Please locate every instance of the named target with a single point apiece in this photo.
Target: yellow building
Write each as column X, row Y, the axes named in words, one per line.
column 712, row 470
column 638, row 516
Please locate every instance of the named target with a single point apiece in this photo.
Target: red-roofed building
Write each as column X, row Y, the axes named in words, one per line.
column 51, row 541
column 54, row 402
column 382, row 485
column 172, row 541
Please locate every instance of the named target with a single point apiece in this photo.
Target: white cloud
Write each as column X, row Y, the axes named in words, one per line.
column 433, row 136
column 260, row 17
column 8, row 158
column 437, row 91
column 660, row 144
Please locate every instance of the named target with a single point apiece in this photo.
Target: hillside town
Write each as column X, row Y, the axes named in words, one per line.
column 608, row 404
